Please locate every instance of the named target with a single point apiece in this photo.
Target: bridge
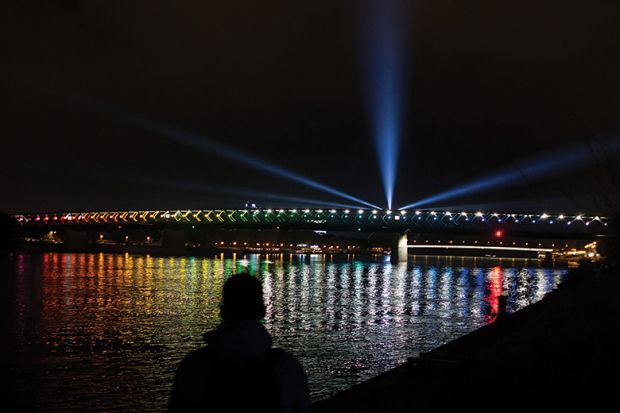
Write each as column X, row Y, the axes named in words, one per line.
column 398, row 222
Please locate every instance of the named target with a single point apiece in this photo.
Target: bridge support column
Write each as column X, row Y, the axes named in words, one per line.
column 173, row 241
column 75, row 241
column 399, row 249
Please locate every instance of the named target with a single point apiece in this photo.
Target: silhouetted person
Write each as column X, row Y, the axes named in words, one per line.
column 238, row 370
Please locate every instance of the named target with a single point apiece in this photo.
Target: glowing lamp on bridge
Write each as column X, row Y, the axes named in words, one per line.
column 499, row 233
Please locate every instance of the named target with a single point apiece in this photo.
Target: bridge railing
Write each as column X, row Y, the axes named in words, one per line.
column 397, row 220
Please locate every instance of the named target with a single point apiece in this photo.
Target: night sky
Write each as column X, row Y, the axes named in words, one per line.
column 488, row 83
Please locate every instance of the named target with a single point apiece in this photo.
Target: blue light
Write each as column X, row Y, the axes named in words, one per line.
column 242, row 192
column 383, row 67
column 223, row 151
column 570, row 157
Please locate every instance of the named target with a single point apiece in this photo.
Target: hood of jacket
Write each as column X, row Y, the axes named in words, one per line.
column 239, row 340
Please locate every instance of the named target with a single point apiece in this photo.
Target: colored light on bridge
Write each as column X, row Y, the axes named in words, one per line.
column 499, row 233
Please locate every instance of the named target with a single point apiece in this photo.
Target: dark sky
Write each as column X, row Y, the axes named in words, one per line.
column 488, row 83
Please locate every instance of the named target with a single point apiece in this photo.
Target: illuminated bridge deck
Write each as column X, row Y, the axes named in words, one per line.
column 335, row 219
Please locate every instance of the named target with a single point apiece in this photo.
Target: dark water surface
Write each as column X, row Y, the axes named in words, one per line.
column 106, row 332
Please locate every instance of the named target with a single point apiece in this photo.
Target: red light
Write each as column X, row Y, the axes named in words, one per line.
column 499, row 233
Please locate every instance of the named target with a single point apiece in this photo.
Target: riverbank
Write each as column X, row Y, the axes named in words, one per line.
column 560, row 352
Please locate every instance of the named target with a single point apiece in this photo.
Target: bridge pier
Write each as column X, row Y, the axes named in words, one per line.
column 75, row 240
column 399, row 249
column 173, row 241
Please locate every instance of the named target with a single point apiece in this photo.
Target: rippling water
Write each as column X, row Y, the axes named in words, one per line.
column 106, row 332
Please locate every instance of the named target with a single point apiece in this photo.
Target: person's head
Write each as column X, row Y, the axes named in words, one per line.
column 242, row 298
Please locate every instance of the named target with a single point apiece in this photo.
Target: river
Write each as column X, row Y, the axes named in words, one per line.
column 106, row 331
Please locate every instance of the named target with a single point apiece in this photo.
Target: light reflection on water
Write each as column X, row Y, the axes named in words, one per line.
column 107, row 331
